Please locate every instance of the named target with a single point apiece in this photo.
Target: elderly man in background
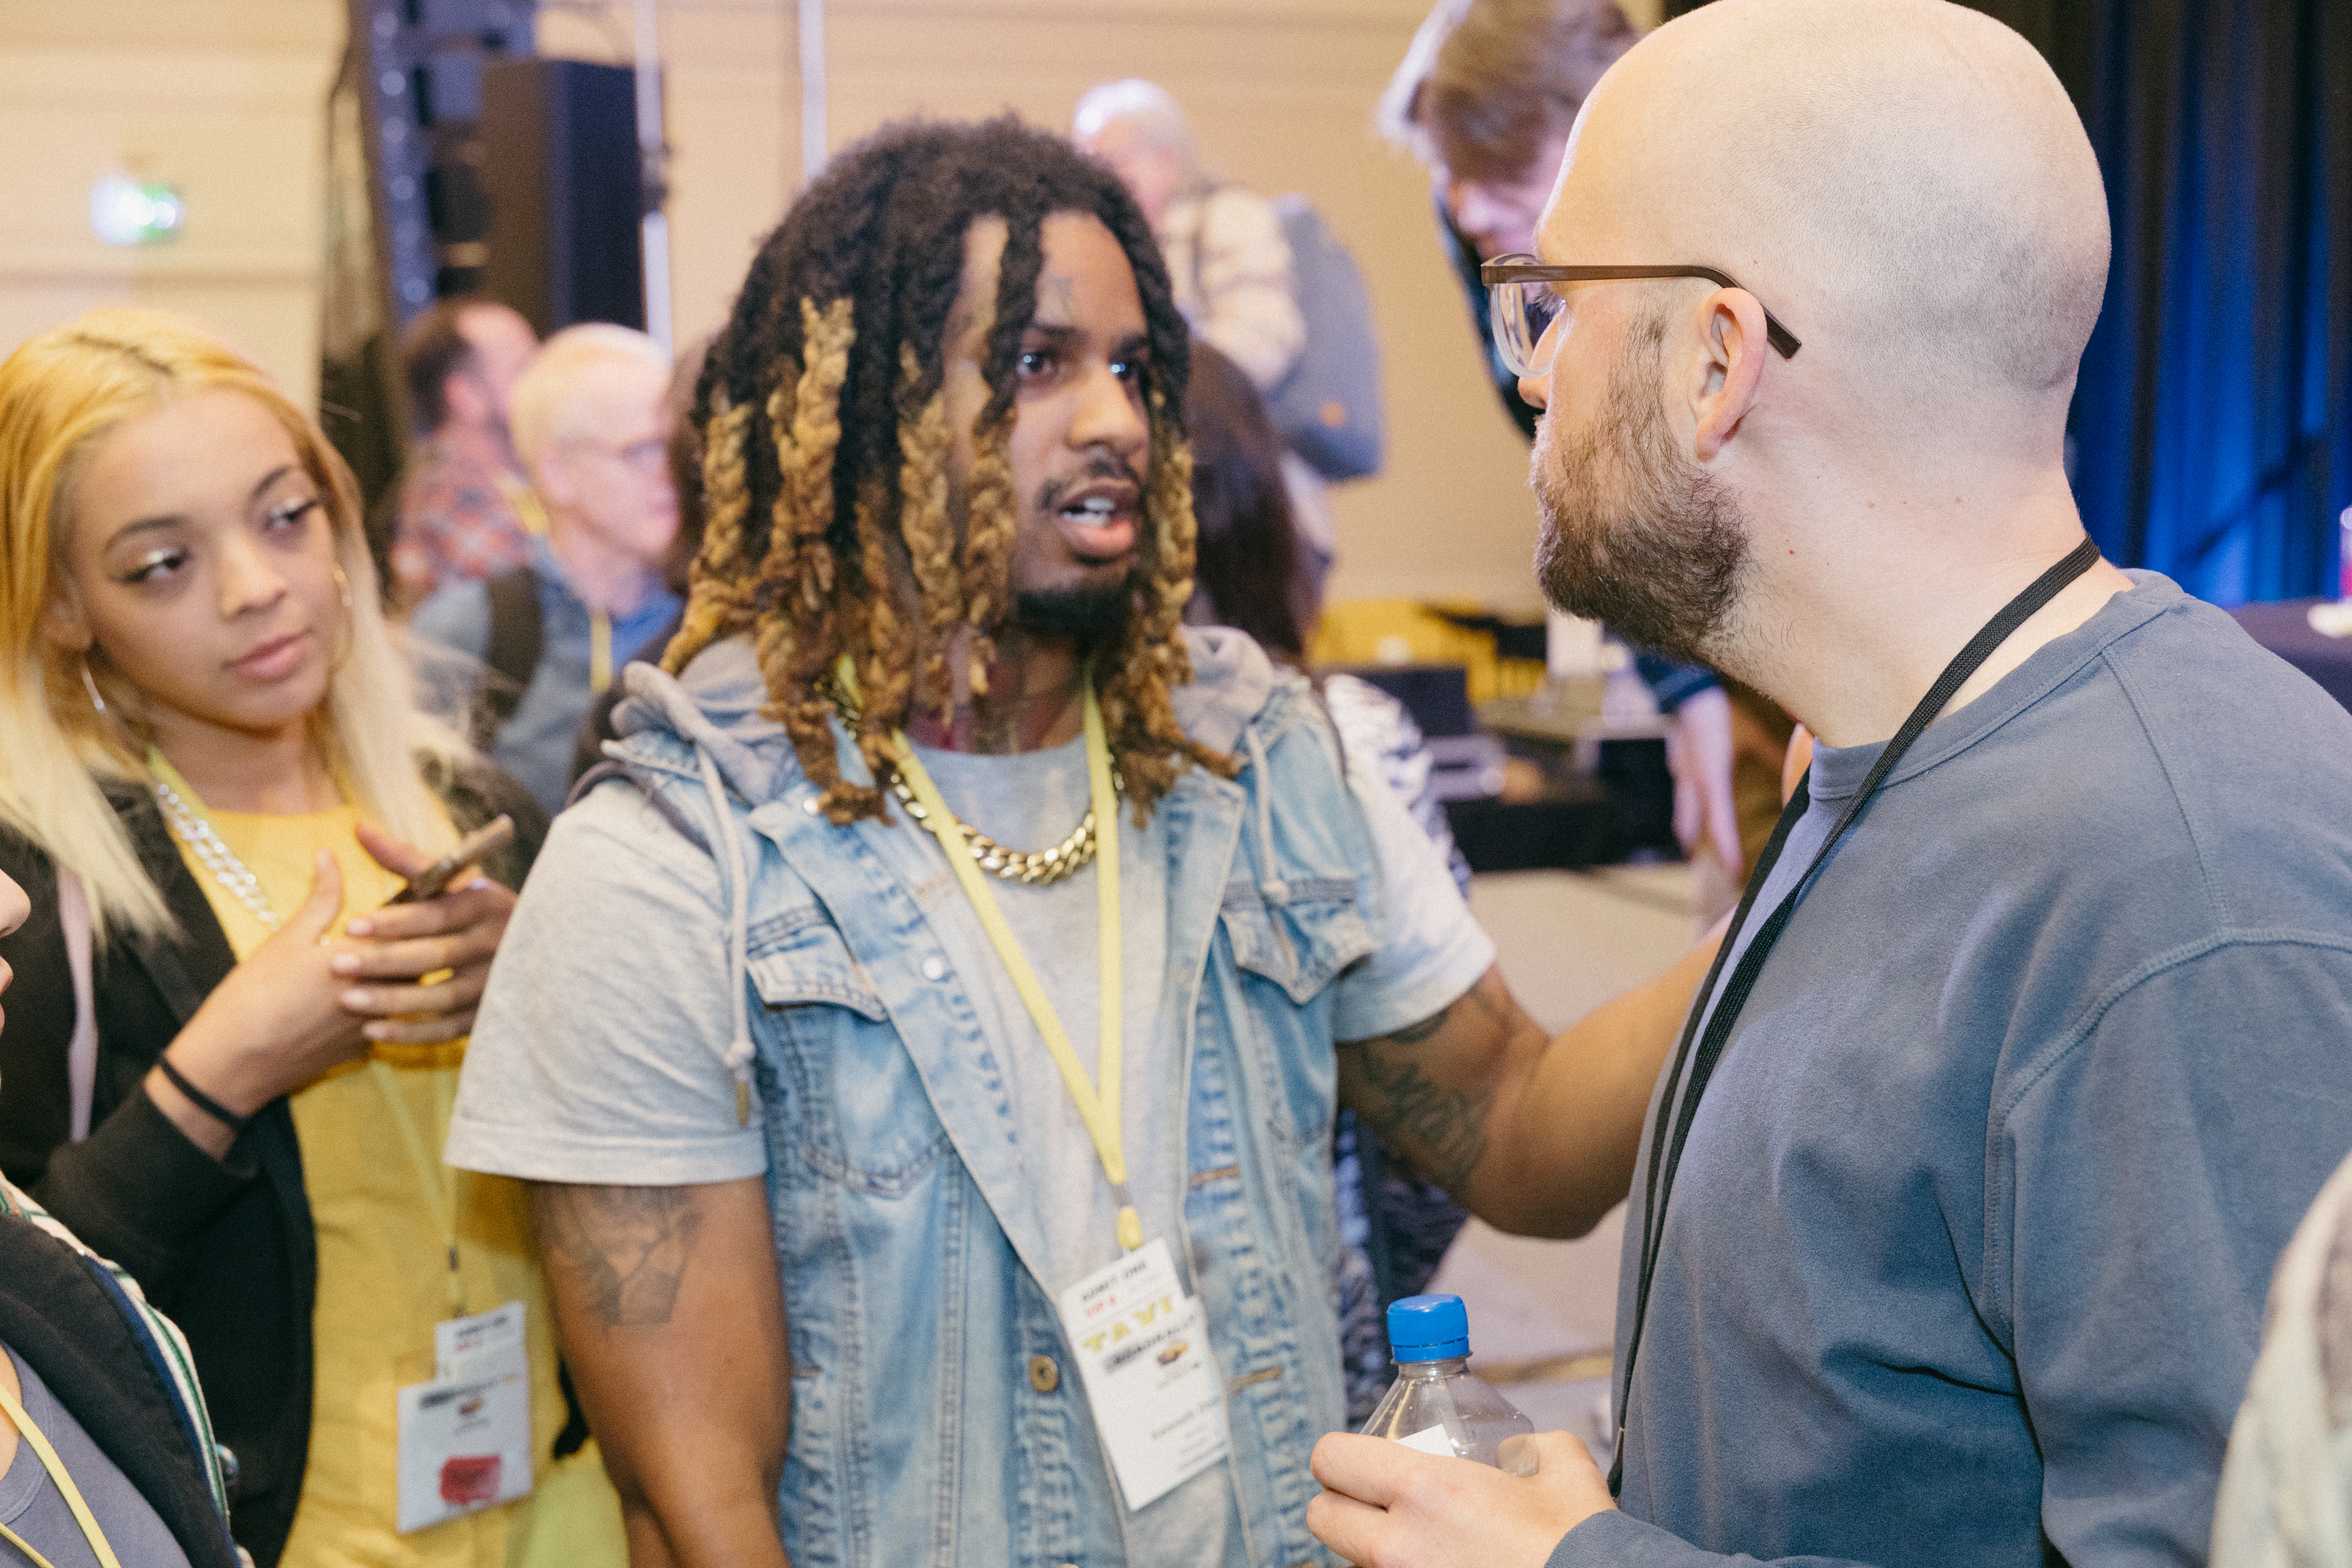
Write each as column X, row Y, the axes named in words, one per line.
column 464, row 511
column 1957, row 1203
column 1228, row 262
column 591, row 427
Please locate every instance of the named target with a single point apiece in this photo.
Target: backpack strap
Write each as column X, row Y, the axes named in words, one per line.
column 516, row 633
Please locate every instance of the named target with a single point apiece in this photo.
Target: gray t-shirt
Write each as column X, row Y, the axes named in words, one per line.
column 591, row 1060
column 1030, row 802
column 32, row 1506
column 1966, row 1257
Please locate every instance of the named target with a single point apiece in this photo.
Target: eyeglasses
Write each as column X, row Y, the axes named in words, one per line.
column 1526, row 305
column 645, row 456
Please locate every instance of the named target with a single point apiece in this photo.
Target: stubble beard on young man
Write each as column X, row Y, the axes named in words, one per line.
column 1633, row 534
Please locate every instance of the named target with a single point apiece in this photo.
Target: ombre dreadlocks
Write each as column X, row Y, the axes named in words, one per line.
column 825, row 431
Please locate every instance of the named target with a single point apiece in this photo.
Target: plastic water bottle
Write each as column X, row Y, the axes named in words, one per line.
column 1437, row 1403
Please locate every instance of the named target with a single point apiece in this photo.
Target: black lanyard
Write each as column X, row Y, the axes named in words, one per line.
column 1698, row 1066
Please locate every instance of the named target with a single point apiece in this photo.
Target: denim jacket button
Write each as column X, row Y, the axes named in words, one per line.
column 935, row 968
column 1044, row 1375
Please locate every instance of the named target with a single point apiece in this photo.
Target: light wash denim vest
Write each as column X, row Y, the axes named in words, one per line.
column 937, row 1416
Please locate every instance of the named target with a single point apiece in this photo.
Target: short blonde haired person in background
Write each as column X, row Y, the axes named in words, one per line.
column 213, row 778
column 591, row 423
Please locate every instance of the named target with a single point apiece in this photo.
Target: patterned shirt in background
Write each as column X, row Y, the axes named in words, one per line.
column 1395, row 1228
column 460, row 521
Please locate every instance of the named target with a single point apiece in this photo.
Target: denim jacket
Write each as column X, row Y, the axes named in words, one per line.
column 936, row 1413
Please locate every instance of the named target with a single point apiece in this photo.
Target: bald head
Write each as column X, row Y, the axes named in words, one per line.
column 1903, row 183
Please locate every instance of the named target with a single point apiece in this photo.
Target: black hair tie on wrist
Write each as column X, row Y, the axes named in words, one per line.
column 205, row 1102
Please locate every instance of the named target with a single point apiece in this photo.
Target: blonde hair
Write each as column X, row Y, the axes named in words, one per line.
column 828, row 442
column 543, row 408
column 61, row 395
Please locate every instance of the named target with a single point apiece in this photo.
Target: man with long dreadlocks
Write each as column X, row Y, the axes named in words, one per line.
column 856, row 1247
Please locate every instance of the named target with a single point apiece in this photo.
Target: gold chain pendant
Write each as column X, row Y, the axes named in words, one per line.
column 1029, row 867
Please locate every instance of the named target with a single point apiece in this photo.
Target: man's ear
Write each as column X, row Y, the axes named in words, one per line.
column 551, row 475
column 1730, row 369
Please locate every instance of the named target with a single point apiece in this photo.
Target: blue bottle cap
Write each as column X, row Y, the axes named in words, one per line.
column 1428, row 1328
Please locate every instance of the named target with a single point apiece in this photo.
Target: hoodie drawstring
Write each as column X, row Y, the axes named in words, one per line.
column 1270, row 888
column 738, row 1050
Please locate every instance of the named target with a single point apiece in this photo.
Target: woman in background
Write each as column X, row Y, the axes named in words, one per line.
column 228, row 1068
column 1253, row 572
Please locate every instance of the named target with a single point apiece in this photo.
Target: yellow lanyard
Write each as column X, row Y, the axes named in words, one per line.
column 434, row 1176
column 1097, row 1106
column 525, row 501
column 600, row 651
column 65, row 1485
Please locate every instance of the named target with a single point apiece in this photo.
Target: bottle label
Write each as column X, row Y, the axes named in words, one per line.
column 1431, row 1441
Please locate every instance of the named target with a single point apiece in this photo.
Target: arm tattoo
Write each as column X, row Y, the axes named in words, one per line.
column 1443, row 1130
column 624, row 1248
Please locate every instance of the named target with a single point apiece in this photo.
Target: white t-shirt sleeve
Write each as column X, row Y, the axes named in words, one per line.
column 1431, row 951
column 597, row 1055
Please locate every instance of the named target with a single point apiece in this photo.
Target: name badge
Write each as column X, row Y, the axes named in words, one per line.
column 465, row 1437
column 1143, row 1354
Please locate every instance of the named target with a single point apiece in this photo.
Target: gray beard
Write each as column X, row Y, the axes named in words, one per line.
column 1632, row 533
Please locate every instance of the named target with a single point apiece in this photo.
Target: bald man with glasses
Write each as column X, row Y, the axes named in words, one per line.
column 1958, row 1198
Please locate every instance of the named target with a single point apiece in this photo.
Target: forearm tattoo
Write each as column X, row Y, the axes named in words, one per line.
column 622, row 1249
column 1440, row 1129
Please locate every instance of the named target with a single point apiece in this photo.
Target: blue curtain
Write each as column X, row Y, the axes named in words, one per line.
column 2212, row 425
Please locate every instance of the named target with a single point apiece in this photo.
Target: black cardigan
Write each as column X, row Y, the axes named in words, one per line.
column 225, row 1248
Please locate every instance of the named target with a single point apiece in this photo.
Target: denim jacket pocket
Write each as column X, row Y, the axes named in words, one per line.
column 1304, row 941
column 863, row 1117
column 796, row 957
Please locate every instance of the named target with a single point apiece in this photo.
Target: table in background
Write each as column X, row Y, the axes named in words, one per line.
column 2283, row 629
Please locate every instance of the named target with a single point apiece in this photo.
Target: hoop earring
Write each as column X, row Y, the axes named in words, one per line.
column 90, row 686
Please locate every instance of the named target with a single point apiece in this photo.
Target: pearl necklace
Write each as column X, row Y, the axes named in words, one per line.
column 188, row 824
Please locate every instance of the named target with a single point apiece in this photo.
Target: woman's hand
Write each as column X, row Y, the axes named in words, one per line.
column 300, row 1003
column 421, row 967
column 276, row 1022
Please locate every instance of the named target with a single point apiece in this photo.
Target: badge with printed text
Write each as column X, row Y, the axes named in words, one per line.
column 465, row 1437
column 1142, row 1347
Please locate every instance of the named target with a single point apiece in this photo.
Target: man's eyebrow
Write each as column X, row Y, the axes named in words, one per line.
column 1059, row 332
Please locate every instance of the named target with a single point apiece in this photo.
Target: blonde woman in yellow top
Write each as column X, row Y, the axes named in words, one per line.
column 228, row 1066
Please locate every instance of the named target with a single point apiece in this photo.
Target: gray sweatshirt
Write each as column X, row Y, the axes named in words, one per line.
column 1966, row 1258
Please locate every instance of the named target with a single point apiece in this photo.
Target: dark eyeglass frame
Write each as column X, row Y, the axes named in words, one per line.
column 1495, row 274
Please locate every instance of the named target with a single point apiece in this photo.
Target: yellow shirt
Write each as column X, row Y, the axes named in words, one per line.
column 382, row 1278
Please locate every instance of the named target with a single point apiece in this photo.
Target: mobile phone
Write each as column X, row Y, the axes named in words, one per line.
column 435, row 880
